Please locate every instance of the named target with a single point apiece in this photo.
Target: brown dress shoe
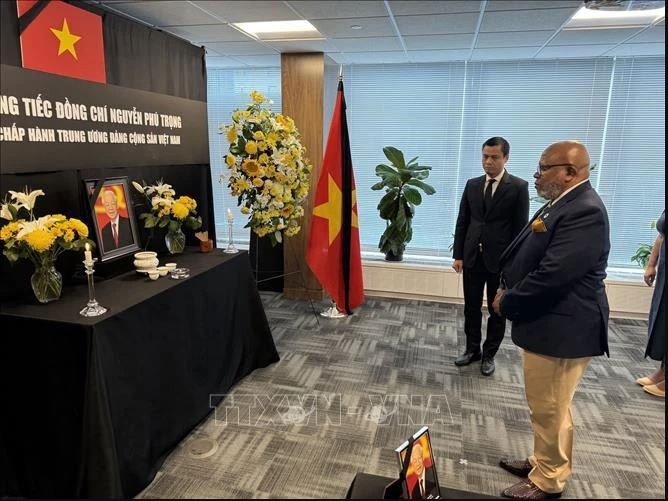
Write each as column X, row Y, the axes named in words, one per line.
column 526, row 489
column 519, row 467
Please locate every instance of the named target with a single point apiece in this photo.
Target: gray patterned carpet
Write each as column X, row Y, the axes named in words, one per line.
column 347, row 392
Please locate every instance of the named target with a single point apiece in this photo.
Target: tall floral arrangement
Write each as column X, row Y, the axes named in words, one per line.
column 268, row 169
column 168, row 211
column 41, row 240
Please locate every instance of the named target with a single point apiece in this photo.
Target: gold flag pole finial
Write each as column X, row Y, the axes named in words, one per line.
column 340, row 73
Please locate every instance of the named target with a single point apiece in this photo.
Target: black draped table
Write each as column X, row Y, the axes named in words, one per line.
column 368, row 486
column 90, row 407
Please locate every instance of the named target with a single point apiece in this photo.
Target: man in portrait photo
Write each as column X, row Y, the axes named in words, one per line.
column 117, row 232
column 421, row 481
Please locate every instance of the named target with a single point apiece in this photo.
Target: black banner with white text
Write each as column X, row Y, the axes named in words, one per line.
column 49, row 122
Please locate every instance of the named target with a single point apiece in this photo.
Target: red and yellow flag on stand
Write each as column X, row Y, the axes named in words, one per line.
column 60, row 38
column 334, row 245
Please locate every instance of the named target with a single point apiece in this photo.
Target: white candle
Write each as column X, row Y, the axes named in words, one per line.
column 230, row 216
column 88, row 255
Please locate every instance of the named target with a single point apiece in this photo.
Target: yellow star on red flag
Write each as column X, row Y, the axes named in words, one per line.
column 331, row 210
column 66, row 39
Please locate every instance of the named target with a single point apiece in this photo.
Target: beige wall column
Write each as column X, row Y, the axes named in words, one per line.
column 302, row 99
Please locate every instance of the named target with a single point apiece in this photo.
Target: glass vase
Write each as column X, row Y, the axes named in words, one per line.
column 175, row 241
column 46, row 282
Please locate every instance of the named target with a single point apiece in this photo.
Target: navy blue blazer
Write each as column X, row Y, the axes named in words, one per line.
column 555, row 295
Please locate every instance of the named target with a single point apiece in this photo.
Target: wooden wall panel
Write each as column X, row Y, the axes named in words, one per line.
column 302, row 89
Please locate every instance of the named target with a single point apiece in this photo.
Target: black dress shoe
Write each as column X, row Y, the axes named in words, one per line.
column 487, row 366
column 519, row 467
column 467, row 358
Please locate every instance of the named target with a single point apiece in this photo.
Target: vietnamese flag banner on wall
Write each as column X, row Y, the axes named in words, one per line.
column 334, row 244
column 62, row 39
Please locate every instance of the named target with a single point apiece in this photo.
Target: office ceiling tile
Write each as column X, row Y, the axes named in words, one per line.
column 439, row 42
column 243, row 12
column 262, row 60
column 438, row 24
column 656, row 34
column 574, row 51
column 435, row 56
column 587, row 37
column 363, row 44
column 208, row 33
column 223, row 62
column 165, row 13
column 503, row 53
column 240, row 48
column 513, row 39
column 341, row 28
column 496, row 5
column 375, row 57
column 639, row 49
column 301, row 45
column 521, row 20
column 417, row 7
column 339, row 9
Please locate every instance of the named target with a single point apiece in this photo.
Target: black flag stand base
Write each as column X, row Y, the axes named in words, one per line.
column 299, row 271
column 333, row 312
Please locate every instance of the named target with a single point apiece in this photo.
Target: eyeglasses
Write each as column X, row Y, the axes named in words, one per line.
column 540, row 169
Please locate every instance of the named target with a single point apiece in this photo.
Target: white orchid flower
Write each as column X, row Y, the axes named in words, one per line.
column 26, row 199
column 138, row 186
column 164, row 189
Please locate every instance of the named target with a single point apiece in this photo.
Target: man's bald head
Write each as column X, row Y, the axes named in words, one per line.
column 568, row 152
column 110, row 203
column 562, row 165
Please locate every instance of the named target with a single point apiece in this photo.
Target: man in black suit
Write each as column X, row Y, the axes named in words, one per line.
column 117, row 232
column 493, row 210
column 555, row 297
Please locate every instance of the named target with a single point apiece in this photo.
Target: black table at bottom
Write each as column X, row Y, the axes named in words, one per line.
column 92, row 406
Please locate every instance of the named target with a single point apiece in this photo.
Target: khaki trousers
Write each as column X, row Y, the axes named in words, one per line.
column 550, row 384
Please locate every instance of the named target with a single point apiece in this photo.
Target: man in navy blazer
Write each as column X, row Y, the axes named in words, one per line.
column 553, row 292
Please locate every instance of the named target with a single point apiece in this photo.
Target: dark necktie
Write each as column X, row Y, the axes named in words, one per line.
column 115, row 233
column 487, row 200
column 422, row 493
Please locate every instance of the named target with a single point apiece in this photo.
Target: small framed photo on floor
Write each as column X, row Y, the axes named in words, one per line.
column 113, row 217
column 421, row 478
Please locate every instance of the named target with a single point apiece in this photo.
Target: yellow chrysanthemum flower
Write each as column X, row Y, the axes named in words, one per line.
column 272, row 139
column 188, row 202
column 262, row 146
column 263, row 159
column 79, row 227
column 230, row 160
column 258, row 136
column 10, row 230
column 251, row 167
column 245, row 210
column 69, row 235
column 257, row 97
column 251, row 147
column 179, row 210
column 231, row 135
column 40, row 240
column 257, row 182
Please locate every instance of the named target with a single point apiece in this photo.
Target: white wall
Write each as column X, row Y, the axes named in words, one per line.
column 439, row 283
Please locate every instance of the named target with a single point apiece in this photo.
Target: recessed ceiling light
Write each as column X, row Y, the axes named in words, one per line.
column 650, row 14
column 300, row 25
column 355, row 27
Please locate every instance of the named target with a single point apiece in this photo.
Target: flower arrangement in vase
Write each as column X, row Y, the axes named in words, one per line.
column 41, row 240
column 168, row 211
column 269, row 172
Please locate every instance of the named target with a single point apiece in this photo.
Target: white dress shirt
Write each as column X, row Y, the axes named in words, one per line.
column 566, row 192
column 495, row 185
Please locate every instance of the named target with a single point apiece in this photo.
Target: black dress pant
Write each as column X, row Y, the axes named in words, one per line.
column 475, row 278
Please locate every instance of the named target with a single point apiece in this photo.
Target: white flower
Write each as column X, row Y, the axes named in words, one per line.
column 37, row 224
column 161, row 202
column 26, row 199
column 138, row 186
column 164, row 189
column 5, row 212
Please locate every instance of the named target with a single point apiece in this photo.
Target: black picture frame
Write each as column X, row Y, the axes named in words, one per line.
column 127, row 235
column 432, row 487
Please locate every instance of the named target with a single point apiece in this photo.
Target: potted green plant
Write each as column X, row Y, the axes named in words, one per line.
column 402, row 182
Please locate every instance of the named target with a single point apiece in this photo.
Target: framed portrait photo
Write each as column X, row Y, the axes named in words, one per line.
column 421, row 478
column 113, row 217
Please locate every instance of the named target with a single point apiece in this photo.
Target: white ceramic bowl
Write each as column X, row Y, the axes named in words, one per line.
column 162, row 270
column 145, row 255
column 170, row 266
column 153, row 274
